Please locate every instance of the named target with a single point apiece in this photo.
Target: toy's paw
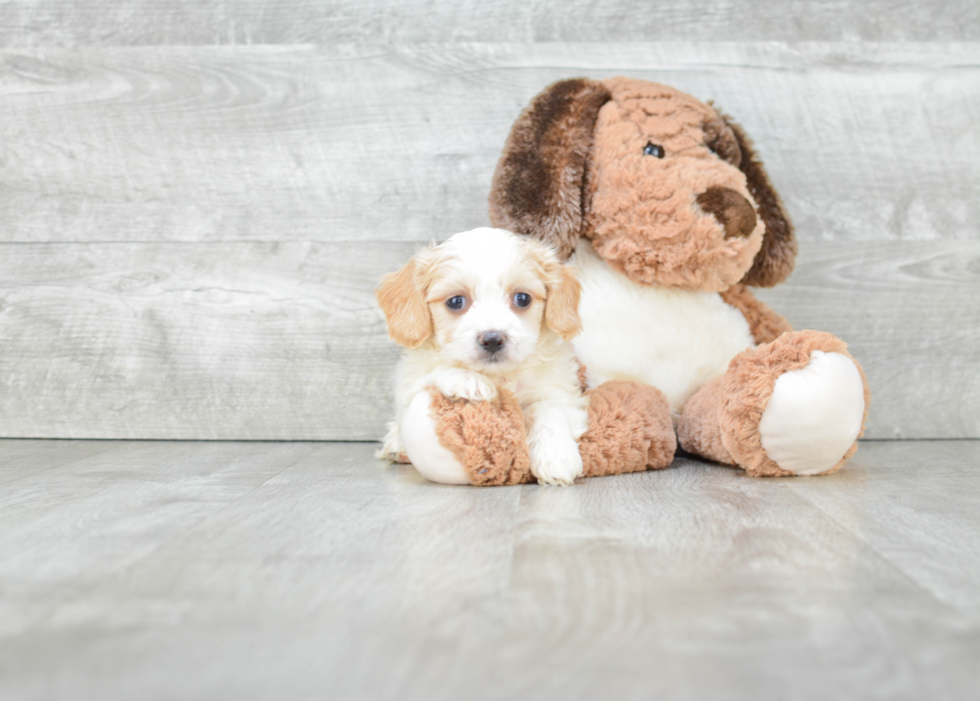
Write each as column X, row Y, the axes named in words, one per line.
column 814, row 414
column 556, row 461
column 488, row 439
column 629, row 430
column 455, row 383
column 795, row 406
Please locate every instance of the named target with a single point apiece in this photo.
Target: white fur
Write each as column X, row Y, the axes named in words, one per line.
column 554, row 458
column 537, row 366
column 483, row 256
column 675, row 340
column 457, row 383
column 814, row 414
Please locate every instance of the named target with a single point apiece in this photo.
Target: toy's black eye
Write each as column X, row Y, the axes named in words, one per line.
column 456, row 303
column 652, row 149
column 522, row 299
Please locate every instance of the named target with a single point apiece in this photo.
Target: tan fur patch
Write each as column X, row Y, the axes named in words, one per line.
column 561, row 308
column 401, row 296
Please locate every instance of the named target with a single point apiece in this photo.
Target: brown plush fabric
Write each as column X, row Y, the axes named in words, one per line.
column 720, row 138
column 537, row 186
column 775, row 261
column 735, row 213
column 630, row 430
column 765, row 324
column 643, row 215
column 574, row 164
column 699, row 430
column 747, row 385
column 488, row 438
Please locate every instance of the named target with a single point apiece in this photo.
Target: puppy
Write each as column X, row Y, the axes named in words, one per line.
column 483, row 310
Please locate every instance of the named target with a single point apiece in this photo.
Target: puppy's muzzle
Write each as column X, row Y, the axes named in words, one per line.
column 735, row 213
column 492, row 342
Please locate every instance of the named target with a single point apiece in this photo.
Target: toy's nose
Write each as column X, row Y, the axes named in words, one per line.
column 492, row 341
column 732, row 211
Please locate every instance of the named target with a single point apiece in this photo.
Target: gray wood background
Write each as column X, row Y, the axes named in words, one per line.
column 198, row 198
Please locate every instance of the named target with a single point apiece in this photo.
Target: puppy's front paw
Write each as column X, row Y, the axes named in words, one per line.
column 556, row 462
column 463, row 384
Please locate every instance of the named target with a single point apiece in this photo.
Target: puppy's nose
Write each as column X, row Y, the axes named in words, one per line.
column 492, row 341
column 732, row 211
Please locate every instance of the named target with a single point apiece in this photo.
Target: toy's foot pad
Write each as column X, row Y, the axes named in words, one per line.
column 814, row 414
column 795, row 406
column 433, row 460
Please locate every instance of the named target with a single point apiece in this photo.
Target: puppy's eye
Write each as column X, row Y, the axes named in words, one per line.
column 652, row 149
column 522, row 299
column 456, row 303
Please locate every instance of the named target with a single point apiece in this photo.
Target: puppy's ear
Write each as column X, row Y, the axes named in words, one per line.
column 774, row 261
column 561, row 307
column 538, row 185
column 401, row 296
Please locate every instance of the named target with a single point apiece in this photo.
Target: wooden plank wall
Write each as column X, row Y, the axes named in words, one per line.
column 198, row 198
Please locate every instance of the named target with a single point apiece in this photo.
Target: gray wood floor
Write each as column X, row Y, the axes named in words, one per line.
column 311, row 570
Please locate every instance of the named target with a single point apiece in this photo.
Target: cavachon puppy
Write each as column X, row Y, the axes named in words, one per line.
column 484, row 313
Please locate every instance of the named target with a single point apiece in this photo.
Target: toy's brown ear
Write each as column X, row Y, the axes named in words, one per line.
column 774, row 261
column 538, row 185
column 401, row 296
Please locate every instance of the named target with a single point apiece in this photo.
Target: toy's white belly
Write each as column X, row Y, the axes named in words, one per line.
column 675, row 340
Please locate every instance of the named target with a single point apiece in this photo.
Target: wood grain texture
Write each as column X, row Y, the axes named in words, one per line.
column 347, row 143
column 138, row 22
column 192, row 234
column 229, row 570
column 284, row 341
column 202, row 341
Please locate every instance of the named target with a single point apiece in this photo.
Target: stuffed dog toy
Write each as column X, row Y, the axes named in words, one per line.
column 659, row 202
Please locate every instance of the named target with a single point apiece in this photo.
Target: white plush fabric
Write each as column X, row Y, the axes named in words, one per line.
column 675, row 340
column 814, row 414
column 431, row 459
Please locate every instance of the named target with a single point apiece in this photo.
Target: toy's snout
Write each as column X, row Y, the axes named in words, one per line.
column 735, row 213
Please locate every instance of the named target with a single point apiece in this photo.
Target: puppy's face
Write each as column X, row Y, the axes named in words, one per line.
column 483, row 299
